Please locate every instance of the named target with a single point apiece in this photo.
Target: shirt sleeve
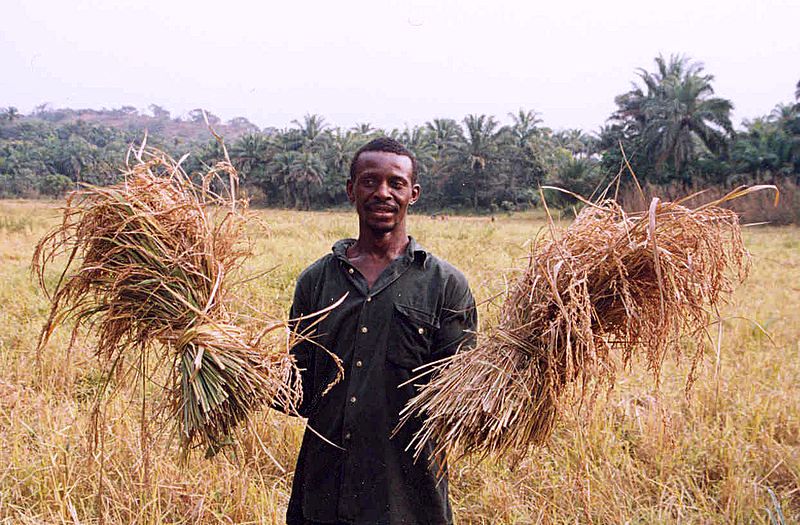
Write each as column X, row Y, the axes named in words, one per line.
column 458, row 321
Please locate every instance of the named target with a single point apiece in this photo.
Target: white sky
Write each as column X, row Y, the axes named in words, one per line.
column 388, row 63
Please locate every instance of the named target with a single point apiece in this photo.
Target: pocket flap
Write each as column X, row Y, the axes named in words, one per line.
column 418, row 316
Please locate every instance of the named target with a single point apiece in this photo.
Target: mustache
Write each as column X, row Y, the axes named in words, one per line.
column 381, row 206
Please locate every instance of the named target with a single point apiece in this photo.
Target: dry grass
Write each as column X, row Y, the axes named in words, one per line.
column 149, row 268
column 642, row 457
column 611, row 283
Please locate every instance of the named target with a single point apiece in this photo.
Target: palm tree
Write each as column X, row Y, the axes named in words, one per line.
column 523, row 164
column 280, row 169
column 472, row 157
column 418, row 141
column 10, row 114
column 797, row 97
column 250, row 154
column 341, row 148
column 764, row 151
column 443, row 132
column 311, row 131
column 74, row 156
column 307, row 169
column 675, row 114
column 786, row 118
column 364, row 129
column 578, row 143
column 577, row 174
column 524, row 125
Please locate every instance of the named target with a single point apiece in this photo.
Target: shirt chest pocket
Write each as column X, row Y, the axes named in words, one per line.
column 410, row 336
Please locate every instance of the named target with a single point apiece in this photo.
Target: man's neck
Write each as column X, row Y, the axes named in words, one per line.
column 379, row 245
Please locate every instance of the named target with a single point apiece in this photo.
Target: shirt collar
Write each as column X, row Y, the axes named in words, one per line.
column 414, row 250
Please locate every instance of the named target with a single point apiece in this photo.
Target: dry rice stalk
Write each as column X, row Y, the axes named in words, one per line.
column 632, row 283
column 148, row 267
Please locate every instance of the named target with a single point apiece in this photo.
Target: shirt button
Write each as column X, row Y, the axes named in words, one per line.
column 353, row 399
column 369, row 299
column 347, row 436
column 359, row 364
column 364, row 330
column 421, row 331
column 350, row 270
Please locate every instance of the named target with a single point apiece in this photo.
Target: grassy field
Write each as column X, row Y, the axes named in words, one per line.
column 729, row 453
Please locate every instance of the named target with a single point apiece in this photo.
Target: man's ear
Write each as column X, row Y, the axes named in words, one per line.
column 349, row 188
column 416, row 189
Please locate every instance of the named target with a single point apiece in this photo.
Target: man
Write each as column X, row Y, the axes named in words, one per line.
column 404, row 308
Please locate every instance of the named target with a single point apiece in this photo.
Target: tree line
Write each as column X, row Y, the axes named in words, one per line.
column 670, row 126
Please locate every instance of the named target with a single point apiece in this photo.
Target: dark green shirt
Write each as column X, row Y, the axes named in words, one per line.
column 419, row 310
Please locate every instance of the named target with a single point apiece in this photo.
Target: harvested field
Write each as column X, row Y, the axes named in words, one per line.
column 641, row 458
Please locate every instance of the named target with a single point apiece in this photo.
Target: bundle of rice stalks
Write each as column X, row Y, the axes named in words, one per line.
column 149, row 265
column 611, row 285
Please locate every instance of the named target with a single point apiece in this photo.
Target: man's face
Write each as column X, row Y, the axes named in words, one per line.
column 382, row 189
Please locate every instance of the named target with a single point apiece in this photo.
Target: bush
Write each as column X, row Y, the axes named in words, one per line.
column 54, row 185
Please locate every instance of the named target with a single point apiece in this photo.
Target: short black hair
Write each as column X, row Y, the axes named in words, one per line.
column 387, row 145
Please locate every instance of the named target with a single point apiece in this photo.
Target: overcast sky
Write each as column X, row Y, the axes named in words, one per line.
column 388, row 63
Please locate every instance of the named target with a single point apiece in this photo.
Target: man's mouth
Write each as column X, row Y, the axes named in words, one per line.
column 381, row 209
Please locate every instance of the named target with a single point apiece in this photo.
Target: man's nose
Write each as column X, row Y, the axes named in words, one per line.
column 382, row 191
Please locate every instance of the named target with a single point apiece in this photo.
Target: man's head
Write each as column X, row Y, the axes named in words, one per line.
column 387, row 145
column 383, row 184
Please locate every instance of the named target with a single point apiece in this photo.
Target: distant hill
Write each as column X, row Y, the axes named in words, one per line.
column 189, row 129
column 52, row 150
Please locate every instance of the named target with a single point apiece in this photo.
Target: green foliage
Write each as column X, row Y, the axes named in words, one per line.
column 38, row 157
column 671, row 120
column 674, row 131
column 54, row 185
